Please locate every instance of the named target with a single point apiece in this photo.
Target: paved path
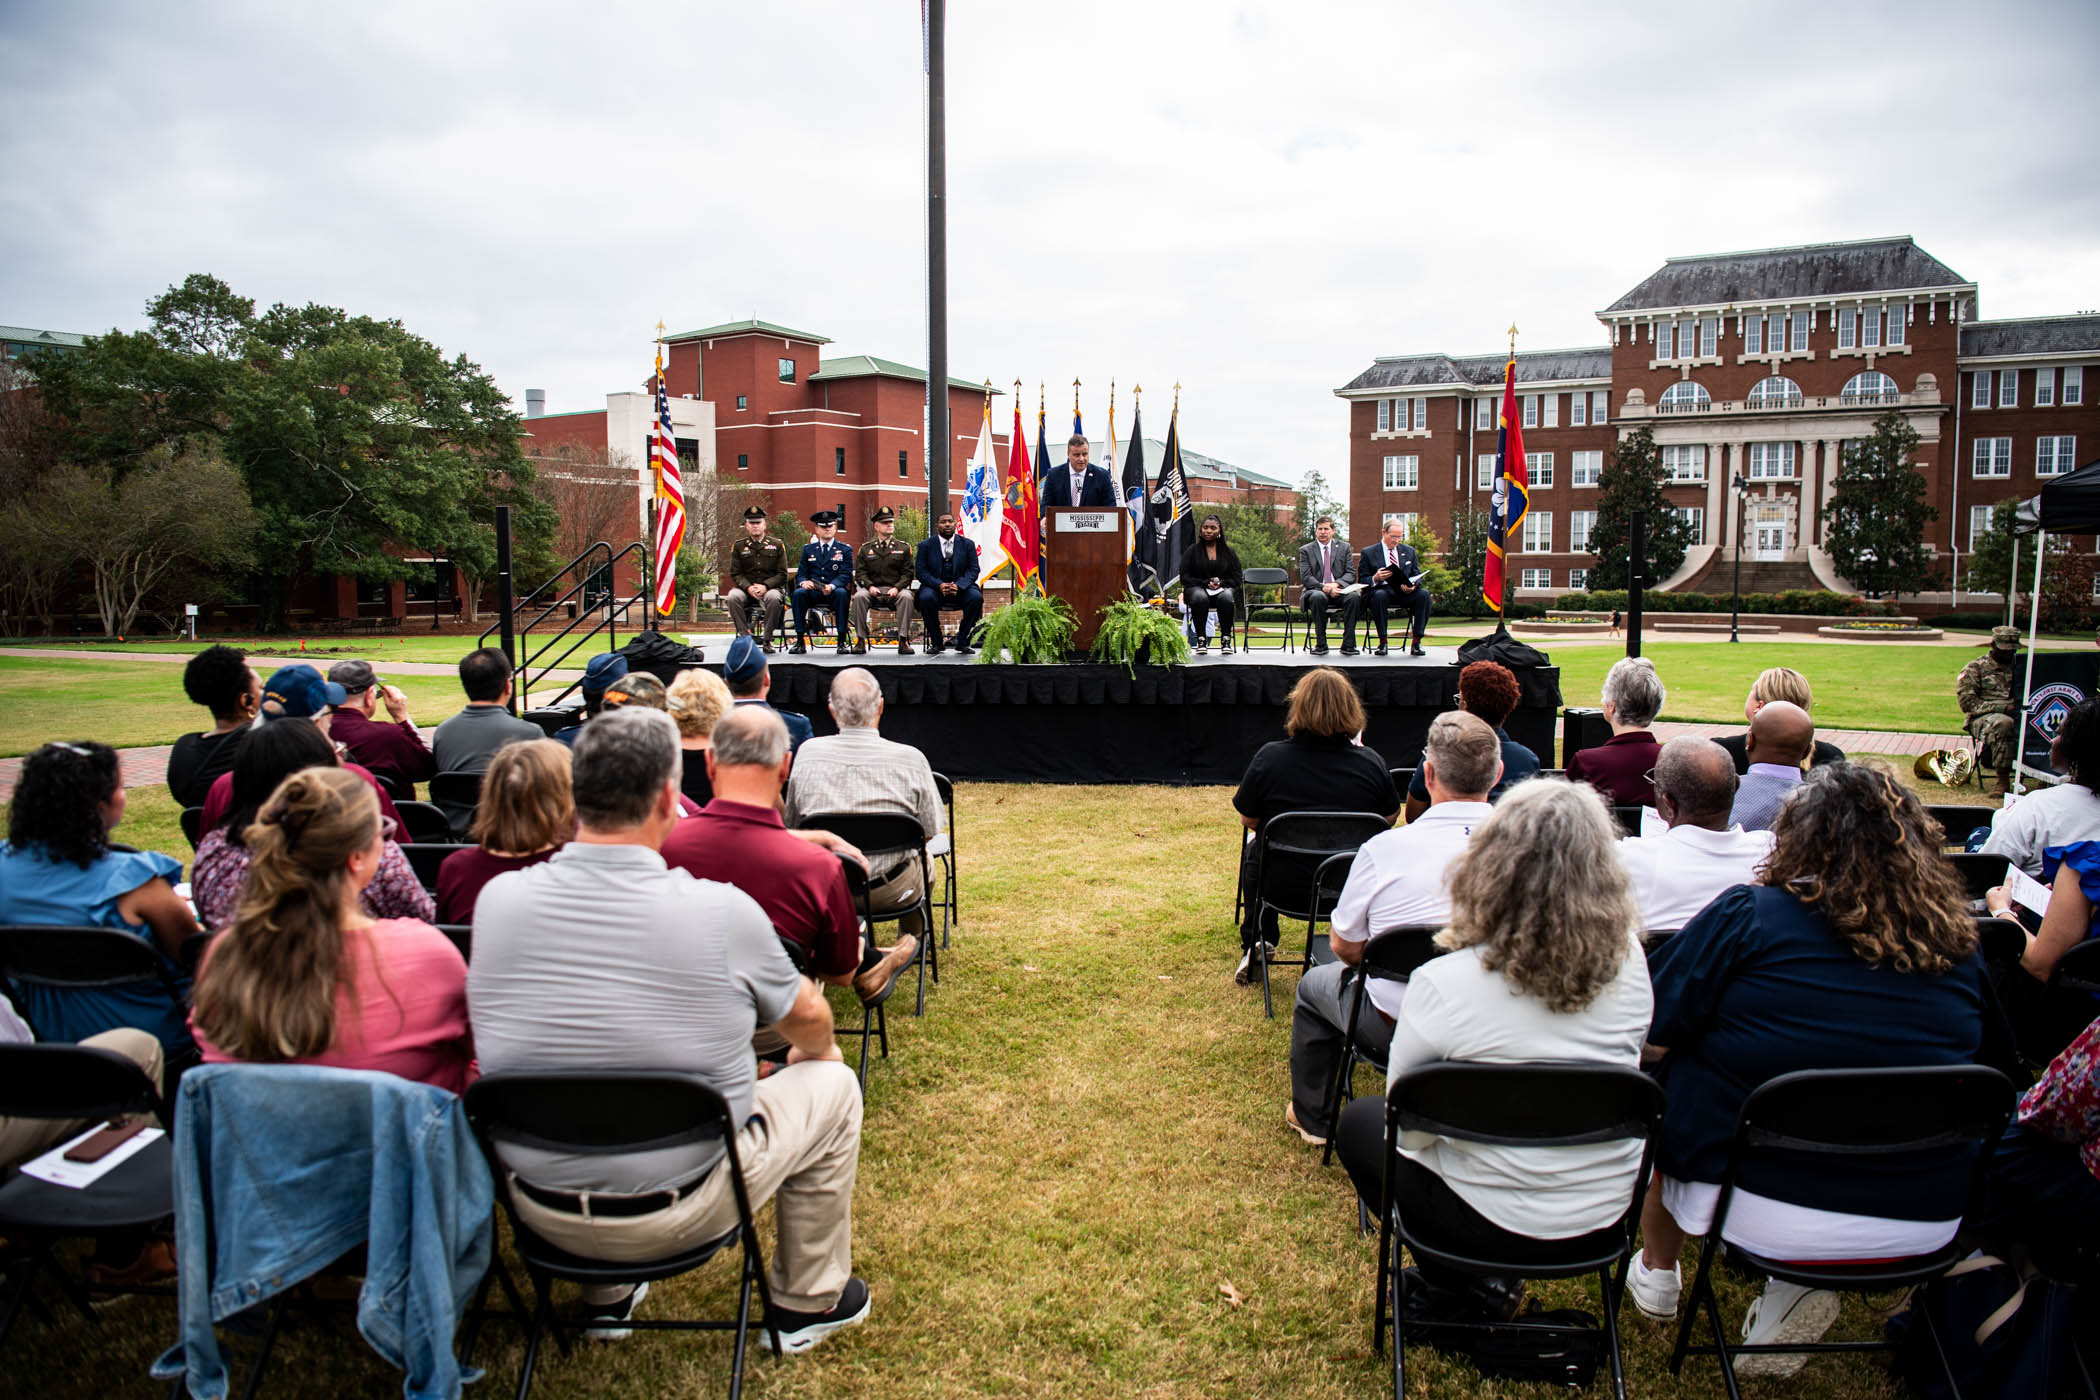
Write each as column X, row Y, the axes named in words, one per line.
column 1850, row 740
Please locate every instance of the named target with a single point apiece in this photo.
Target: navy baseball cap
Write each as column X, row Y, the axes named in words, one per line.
column 744, row 661
column 605, row 668
column 299, row 692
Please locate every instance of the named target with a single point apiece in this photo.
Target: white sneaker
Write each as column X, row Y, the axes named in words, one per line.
column 1654, row 1291
column 1787, row 1314
column 614, row 1313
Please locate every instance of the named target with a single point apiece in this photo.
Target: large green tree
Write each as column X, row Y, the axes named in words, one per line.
column 1468, row 561
column 1874, row 525
column 1632, row 480
column 1315, row 499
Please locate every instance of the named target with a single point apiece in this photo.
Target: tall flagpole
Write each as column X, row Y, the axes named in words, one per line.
column 940, row 439
column 1502, row 581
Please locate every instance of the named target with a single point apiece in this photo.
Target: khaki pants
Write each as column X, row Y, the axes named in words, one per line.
column 23, row 1138
column 802, row 1145
column 900, row 889
column 864, row 602
column 738, row 605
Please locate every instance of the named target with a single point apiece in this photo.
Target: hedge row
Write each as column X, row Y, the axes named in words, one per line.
column 1812, row 602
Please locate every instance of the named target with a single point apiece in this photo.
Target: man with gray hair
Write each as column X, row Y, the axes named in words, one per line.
column 605, row 959
column 1399, row 878
column 1677, row 873
column 858, row 772
column 1391, row 575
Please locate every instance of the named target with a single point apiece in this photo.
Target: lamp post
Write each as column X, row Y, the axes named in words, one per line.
column 1742, row 503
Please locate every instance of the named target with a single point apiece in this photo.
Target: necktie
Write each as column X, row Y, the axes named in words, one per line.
column 1326, row 563
column 1078, row 479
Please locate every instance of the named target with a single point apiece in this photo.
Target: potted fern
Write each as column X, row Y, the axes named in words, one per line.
column 1032, row 630
column 1135, row 633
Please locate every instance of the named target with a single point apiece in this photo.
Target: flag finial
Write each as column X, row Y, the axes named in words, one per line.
column 1177, row 396
column 1512, row 340
column 659, row 330
column 1075, row 393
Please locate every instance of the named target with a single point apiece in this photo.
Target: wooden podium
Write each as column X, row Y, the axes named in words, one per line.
column 1084, row 564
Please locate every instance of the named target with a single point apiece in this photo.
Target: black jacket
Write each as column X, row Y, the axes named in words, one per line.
column 1198, row 569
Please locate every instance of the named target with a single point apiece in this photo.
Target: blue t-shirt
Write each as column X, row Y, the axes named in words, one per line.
column 35, row 889
column 1758, row 985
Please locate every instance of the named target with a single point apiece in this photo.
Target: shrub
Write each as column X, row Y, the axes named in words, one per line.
column 1812, row 602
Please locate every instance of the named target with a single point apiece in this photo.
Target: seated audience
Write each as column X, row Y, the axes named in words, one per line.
column 57, row 867
column 1779, row 683
column 2044, row 1187
column 221, row 680
column 1779, row 742
column 525, row 816
column 1544, row 965
column 304, row 975
column 1488, row 689
column 2062, row 815
column 273, row 753
column 1678, row 873
column 697, row 700
column 1854, row 951
column 1619, row 767
column 602, row 670
column 466, row 742
column 750, row 680
column 1210, row 583
column 605, row 959
column 294, row 693
column 1319, row 767
column 858, row 772
column 2073, row 875
column 636, row 688
column 1398, row 879
column 394, row 750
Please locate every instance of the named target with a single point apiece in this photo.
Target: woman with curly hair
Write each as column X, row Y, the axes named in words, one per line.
column 1854, row 951
column 1488, row 689
column 57, row 867
column 1544, row 963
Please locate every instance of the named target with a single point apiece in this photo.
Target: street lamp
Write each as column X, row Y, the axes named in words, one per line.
column 1742, row 505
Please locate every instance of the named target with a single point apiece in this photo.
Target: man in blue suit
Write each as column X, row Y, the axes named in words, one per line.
column 1095, row 490
column 823, row 579
column 1387, row 571
column 947, row 570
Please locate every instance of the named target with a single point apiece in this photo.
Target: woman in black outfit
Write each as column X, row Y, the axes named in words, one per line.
column 1210, row 581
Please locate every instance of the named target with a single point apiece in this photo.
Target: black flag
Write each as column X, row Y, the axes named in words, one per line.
column 1173, row 515
column 1141, row 540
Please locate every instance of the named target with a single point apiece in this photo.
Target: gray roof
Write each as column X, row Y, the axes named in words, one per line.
column 29, row 335
column 1781, row 274
column 2035, row 335
column 1193, row 464
column 1468, row 371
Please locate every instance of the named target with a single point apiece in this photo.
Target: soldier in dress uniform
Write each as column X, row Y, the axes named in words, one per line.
column 823, row 579
column 758, row 576
column 883, row 577
column 1988, row 691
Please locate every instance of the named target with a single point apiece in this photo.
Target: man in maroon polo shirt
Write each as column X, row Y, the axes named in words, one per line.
column 393, row 750
column 739, row 839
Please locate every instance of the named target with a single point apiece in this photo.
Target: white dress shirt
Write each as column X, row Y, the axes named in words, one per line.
column 1678, row 873
column 2054, row 816
column 1401, row 877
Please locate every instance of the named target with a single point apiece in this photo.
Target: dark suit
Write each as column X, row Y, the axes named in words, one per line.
column 1314, row 599
column 1379, row 599
column 958, row 568
column 1096, row 491
column 823, row 563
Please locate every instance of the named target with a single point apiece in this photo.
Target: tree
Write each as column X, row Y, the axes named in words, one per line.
column 1468, row 560
column 1632, row 480
column 1314, row 501
column 1261, row 541
column 1874, row 525
column 1438, row 576
column 33, row 566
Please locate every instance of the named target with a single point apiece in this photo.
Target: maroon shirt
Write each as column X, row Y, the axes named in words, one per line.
column 800, row 886
column 220, row 800
column 1619, row 768
column 462, row 874
column 390, row 748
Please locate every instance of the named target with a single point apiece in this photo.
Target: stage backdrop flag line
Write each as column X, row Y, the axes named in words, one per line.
column 1042, row 442
column 1020, row 530
column 1172, row 511
column 1512, row 498
column 1144, row 540
column 982, row 506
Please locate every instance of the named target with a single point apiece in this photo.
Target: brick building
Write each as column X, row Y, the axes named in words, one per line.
column 1750, row 367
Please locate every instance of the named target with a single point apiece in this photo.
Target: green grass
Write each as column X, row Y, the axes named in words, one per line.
column 440, row 648
column 1858, row 686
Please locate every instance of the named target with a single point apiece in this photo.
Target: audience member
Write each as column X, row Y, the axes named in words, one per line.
column 1544, row 965
column 1779, row 742
column 605, row 959
column 221, row 680
column 2073, row 875
column 304, row 975
column 57, row 868
column 601, row 671
column 1210, row 583
column 1398, row 878
column 294, row 693
column 2062, row 815
column 1488, row 689
column 636, row 688
column 525, row 815
column 394, row 750
column 1319, row 767
column 1678, row 873
column 466, row 742
column 2044, row 1187
column 272, row 754
column 1779, row 683
column 1619, row 767
column 697, row 700
column 750, row 680
column 1854, row 951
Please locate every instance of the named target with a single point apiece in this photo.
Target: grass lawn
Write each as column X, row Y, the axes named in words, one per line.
column 1858, row 686
column 379, row 649
column 1065, row 1167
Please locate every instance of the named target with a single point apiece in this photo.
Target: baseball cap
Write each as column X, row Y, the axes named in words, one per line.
column 298, row 692
column 743, row 662
column 605, row 668
column 353, row 676
column 636, row 688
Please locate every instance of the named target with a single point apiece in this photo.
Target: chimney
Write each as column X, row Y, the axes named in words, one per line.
column 535, row 403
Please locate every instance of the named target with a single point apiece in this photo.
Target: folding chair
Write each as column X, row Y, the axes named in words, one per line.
column 1268, row 610
column 64, row 958
column 1844, row 1119
column 1288, row 852
column 424, row 857
column 1391, row 956
column 1979, row 872
column 874, row 1012
column 2078, row 971
column 602, row 1115
column 883, row 835
column 192, row 820
column 456, row 795
column 1520, row 1105
column 399, row 789
column 1960, row 822
column 462, row 936
column 425, row 822
column 942, row 849
column 1403, row 779
column 1628, row 816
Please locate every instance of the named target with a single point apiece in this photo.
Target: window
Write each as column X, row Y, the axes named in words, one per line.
column 1687, row 338
column 1538, row 468
column 1483, row 413
column 2045, row 388
column 1980, row 523
column 1870, row 387
column 1552, row 411
column 1709, row 330
column 903, row 464
column 1538, row 532
column 1579, row 580
column 1385, row 416
column 1407, row 521
column 2052, row 455
column 1869, row 329
column 743, row 461
column 838, row 460
column 1992, row 457
column 1485, row 465
column 743, row 401
column 1403, row 473
column 1599, row 398
column 1777, row 391
column 1580, row 523
column 1799, row 342
column 1753, row 335
column 1543, row 578
column 1685, row 396
column 1684, row 461
column 787, row 370
column 1694, row 518
column 1421, row 415
column 2074, row 385
column 1895, row 317
column 1589, row 467
column 2008, row 388
column 1664, row 339
column 1578, row 409
column 1847, row 336
column 1772, row 461
column 1980, row 390
column 1531, row 410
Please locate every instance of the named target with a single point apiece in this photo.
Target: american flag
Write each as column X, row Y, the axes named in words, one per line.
column 670, row 494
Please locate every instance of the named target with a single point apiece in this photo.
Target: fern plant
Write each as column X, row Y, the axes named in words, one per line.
column 1029, row 631
column 1130, row 629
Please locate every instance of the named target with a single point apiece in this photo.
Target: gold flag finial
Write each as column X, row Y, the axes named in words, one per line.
column 1512, row 340
column 1177, row 396
column 1075, row 393
column 659, row 330
column 1039, row 398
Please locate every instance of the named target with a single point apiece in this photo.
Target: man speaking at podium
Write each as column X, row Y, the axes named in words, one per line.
column 1076, row 483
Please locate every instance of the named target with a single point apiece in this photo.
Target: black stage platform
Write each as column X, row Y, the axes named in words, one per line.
column 1088, row 723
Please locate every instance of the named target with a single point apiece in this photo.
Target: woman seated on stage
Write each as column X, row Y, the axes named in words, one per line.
column 525, row 815
column 1854, row 951
column 1210, row 582
column 1621, row 766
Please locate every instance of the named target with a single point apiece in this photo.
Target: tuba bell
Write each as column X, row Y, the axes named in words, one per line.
column 1952, row 767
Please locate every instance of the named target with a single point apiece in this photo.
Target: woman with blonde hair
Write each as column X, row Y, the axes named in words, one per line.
column 1778, row 683
column 1543, row 963
column 305, row 976
column 525, row 815
column 697, row 700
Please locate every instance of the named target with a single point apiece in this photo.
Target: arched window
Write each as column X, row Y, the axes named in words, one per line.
column 1775, row 392
column 1870, row 387
column 1684, row 396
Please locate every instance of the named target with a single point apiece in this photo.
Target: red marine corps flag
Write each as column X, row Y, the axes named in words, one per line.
column 1512, row 497
column 670, row 490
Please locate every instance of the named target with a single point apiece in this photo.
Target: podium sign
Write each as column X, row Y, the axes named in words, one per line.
column 1085, row 565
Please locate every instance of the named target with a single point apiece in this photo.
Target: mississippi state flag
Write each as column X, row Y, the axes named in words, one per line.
column 1512, row 491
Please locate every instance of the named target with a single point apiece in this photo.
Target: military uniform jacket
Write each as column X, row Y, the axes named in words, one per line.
column 884, row 563
column 1986, row 688
column 826, row 563
column 760, row 561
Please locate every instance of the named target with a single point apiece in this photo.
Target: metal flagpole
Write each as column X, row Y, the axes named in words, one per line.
column 940, row 440
column 2034, row 622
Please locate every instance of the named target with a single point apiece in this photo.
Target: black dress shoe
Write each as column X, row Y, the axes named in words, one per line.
column 964, row 649
column 1378, row 650
column 934, row 648
column 1320, row 650
column 1416, row 650
column 1349, row 651
column 800, row 648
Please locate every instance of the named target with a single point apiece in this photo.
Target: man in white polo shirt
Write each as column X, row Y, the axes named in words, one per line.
column 1677, row 873
column 1399, row 878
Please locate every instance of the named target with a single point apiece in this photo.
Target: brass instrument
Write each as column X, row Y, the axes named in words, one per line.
column 1953, row 767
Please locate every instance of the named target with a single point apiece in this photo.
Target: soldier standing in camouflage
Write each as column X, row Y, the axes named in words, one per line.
column 1988, row 692
column 758, row 578
column 883, row 577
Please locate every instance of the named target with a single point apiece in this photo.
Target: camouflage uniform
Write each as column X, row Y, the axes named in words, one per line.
column 759, row 561
column 1988, row 692
column 884, row 563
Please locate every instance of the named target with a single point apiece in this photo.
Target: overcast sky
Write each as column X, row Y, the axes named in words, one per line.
column 1255, row 200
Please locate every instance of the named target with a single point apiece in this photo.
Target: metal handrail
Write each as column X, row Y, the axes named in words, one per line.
column 615, row 609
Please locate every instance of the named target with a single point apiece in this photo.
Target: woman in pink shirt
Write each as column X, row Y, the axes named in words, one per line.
column 304, row 976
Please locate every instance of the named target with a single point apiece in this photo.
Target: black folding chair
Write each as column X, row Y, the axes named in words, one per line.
column 424, row 857
column 1519, row 1105
column 192, row 820
column 1959, row 822
column 1628, row 816
column 2079, row 971
column 462, row 936
column 75, row 1081
column 942, row 849
column 883, row 834
column 1841, row 1120
column 1288, row 851
column 85, row 958
column 425, row 822
column 1391, row 956
column 1267, row 609
column 1327, row 883
column 604, row 1115
column 1979, row 872
column 398, row 788
column 456, row 794
column 1403, row 779
column 874, row 1012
